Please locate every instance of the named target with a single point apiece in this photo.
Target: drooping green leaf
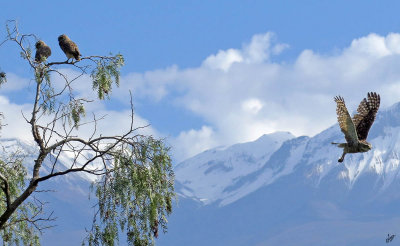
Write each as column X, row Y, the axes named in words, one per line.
column 135, row 198
column 105, row 73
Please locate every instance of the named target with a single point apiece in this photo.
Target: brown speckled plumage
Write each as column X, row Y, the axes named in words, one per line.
column 69, row 47
column 356, row 130
column 43, row 51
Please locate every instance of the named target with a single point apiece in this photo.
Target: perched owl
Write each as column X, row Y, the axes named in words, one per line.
column 69, row 47
column 43, row 51
column 356, row 130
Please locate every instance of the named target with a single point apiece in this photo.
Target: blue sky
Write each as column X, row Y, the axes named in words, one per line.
column 156, row 34
column 209, row 73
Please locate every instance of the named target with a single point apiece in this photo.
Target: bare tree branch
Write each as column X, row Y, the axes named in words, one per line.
column 57, row 114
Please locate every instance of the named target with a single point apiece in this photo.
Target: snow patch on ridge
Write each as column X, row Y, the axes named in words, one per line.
column 227, row 174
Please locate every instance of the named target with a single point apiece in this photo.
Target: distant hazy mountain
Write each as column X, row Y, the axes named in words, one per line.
column 281, row 190
column 277, row 190
column 68, row 198
column 227, row 174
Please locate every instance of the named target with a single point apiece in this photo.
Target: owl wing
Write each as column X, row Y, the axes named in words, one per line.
column 47, row 51
column 345, row 122
column 73, row 49
column 70, row 47
column 366, row 113
column 42, row 52
column 64, row 46
column 38, row 56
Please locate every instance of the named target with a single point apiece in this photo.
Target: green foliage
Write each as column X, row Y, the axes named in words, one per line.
column 105, row 73
column 77, row 110
column 135, row 197
column 27, row 54
column 134, row 192
column 18, row 229
column 47, row 101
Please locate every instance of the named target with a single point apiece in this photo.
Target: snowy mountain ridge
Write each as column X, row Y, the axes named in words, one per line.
column 265, row 190
column 66, row 196
column 28, row 152
column 225, row 175
column 224, row 166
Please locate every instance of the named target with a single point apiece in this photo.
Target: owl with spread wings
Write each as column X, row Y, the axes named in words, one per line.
column 356, row 130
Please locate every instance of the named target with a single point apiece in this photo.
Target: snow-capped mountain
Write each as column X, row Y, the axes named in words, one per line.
column 213, row 175
column 224, row 175
column 285, row 190
column 29, row 150
column 66, row 196
column 277, row 190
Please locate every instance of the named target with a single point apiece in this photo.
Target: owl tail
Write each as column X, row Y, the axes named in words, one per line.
column 340, row 145
column 77, row 55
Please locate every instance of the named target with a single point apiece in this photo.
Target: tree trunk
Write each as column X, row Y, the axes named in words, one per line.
column 7, row 214
column 28, row 191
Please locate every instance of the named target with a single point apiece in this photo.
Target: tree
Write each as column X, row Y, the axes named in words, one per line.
column 134, row 185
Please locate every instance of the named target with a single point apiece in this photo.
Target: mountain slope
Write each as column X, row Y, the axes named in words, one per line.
column 66, row 196
column 225, row 175
column 217, row 174
column 277, row 190
column 297, row 195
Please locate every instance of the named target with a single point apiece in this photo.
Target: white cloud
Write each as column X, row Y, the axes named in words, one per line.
column 223, row 59
column 260, row 48
column 257, row 51
column 371, row 45
column 16, row 126
column 118, row 123
column 113, row 123
column 252, row 105
column 14, row 83
column 110, row 122
column 152, row 85
column 191, row 142
column 242, row 93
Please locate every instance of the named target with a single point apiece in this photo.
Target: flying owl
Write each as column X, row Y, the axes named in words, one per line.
column 356, row 130
column 69, row 47
column 43, row 51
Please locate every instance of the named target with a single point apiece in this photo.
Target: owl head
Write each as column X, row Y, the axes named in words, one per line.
column 365, row 146
column 62, row 38
column 39, row 44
